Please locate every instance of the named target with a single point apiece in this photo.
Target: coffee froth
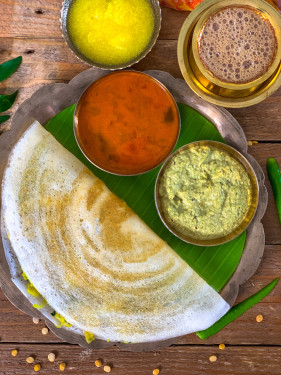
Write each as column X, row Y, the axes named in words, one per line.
column 237, row 44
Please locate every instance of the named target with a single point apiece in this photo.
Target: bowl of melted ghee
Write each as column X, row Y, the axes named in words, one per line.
column 110, row 34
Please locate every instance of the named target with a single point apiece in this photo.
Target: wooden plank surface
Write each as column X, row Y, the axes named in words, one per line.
column 31, row 28
column 47, row 61
column 26, row 18
column 177, row 360
column 17, row 327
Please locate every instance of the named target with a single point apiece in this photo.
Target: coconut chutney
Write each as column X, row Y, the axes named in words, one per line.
column 205, row 192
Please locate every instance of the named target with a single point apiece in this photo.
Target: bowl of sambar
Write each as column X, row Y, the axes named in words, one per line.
column 126, row 123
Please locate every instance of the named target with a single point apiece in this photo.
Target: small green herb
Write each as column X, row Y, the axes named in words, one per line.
column 274, row 175
column 236, row 311
column 6, row 101
column 9, row 67
column 4, row 118
column 53, row 313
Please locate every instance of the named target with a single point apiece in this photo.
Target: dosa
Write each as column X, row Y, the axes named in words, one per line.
column 90, row 256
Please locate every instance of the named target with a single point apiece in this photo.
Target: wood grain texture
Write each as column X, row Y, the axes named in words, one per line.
column 31, row 28
column 29, row 18
column 192, row 360
column 15, row 326
column 49, row 60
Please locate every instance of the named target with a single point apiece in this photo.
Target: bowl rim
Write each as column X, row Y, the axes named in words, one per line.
column 213, row 9
column 167, row 91
column 266, row 89
column 64, row 30
column 237, row 155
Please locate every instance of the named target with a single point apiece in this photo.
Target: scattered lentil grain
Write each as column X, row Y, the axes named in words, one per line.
column 252, row 143
column 35, row 320
column 51, row 357
column 29, row 359
column 14, row 352
column 45, row 331
column 213, row 358
column 98, row 363
column 62, row 366
column 221, row 346
column 107, row 368
column 156, row 371
column 259, row 318
column 37, row 367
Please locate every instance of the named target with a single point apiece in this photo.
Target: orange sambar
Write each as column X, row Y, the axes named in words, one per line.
column 126, row 123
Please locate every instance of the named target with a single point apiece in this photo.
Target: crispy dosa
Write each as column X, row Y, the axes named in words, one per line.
column 90, row 256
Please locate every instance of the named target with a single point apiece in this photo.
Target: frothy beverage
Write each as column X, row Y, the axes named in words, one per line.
column 237, row 44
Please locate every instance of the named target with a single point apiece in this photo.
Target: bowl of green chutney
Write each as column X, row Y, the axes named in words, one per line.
column 110, row 34
column 206, row 193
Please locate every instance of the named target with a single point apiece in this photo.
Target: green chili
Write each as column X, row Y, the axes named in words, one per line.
column 236, row 311
column 274, row 175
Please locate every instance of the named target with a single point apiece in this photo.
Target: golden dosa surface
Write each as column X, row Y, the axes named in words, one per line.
column 90, row 256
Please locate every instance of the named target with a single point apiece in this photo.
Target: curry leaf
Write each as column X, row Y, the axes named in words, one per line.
column 9, row 67
column 6, row 70
column 6, row 101
column 4, row 118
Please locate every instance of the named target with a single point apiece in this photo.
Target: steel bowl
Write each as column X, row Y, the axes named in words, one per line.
column 85, row 152
column 157, row 25
column 252, row 208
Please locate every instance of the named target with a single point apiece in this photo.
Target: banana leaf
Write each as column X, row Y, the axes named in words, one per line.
column 214, row 264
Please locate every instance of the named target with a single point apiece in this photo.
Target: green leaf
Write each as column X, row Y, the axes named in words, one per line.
column 4, row 118
column 214, row 264
column 236, row 311
column 9, row 67
column 6, row 101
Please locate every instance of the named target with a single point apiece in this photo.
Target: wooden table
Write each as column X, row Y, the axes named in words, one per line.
column 31, row 28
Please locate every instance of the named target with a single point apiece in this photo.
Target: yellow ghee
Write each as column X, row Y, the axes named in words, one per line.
column 110, row 32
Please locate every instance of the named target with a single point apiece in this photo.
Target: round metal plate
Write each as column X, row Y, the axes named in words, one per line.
column 49, row 101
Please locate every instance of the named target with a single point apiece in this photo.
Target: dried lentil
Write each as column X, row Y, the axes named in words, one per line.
column 213, row 358
column 259, row 318
column 37, row 367
column 45, row 331
column 62, row 366
column 51, row 357
column 98, row 363
column 107, row 368
column 14, row 352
